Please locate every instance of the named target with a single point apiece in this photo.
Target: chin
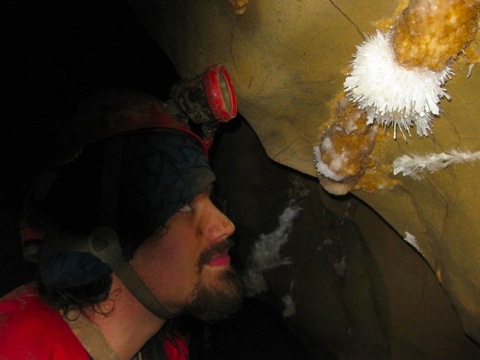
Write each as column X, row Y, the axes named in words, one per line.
column 217, row 299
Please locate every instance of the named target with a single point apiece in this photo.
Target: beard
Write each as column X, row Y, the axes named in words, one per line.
column 219, row 297
column 217, row 302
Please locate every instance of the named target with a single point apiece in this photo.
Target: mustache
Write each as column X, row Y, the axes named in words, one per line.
column 217, row 249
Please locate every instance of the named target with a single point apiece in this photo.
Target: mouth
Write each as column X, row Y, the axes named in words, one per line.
column 217, row 255
column 220, row 260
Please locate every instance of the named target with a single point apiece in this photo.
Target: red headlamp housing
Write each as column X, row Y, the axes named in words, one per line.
column 207, row 98
column 220, row 93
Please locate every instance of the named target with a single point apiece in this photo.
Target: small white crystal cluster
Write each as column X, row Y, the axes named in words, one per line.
column 416, row 165
column 289, row 305
column 328, row 171
column 266, row 252
column 340, row 266
column 343, row 168
column 409, row 238
column 391, row 94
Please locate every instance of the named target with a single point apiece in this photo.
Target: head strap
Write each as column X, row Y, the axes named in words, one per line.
column 103, row 243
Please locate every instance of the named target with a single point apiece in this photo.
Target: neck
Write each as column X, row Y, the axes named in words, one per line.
column 128, row 325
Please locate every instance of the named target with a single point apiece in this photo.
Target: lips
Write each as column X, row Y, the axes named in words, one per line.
column 216, row 255
column 221, row 260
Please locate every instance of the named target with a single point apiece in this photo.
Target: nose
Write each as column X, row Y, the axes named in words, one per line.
column 220, row 226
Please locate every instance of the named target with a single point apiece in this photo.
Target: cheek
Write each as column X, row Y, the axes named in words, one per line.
column 172, row 255
column 172, row 270
column 172, row 259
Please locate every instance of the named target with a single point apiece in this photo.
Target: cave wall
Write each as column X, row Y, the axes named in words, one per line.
column 288, row 61
column 357, row 286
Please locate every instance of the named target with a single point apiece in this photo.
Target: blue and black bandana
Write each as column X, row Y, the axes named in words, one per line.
column 160, row 170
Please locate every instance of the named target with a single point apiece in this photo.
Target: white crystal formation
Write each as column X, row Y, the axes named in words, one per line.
column 391, row 94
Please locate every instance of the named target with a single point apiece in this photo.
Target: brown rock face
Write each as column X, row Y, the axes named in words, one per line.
column 287, row 60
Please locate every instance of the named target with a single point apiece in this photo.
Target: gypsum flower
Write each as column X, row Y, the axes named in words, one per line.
column 409, row 238
column 391, row 94
column 322, row 168
column 416, row 165
column 266, row 255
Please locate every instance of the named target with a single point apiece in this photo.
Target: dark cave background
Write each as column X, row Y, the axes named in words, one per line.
column 57, row 53
column 54, row 54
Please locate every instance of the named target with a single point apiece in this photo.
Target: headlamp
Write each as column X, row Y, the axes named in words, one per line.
column 206, row 99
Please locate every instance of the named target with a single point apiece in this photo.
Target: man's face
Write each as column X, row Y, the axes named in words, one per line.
column 186, row 265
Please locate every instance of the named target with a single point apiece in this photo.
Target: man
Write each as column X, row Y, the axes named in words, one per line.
column 126, row 237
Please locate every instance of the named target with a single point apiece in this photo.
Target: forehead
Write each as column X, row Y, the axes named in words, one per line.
column 161, row 172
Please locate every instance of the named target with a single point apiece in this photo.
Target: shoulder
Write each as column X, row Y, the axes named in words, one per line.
column 22, row 308
column 29, row 328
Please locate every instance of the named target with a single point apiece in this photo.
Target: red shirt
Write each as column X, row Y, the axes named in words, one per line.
column 30, row 329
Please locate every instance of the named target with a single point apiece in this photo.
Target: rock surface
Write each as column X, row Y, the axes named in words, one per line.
column 288, row 61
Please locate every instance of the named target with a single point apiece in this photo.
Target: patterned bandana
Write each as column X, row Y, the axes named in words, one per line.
column 161, row 170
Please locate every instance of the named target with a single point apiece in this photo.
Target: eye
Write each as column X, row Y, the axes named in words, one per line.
column 186, row 208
